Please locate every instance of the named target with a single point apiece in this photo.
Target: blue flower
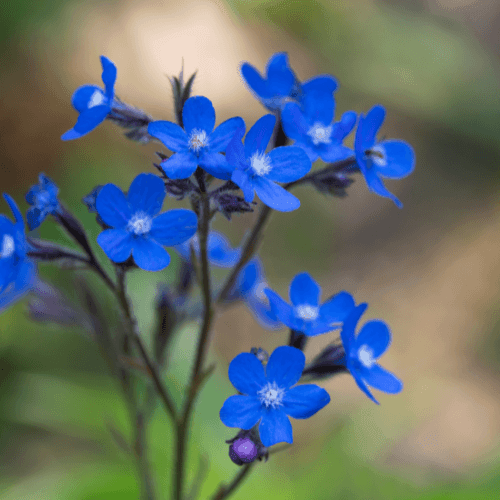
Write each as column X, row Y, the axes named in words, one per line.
column 138, row 228
column 280, row 84
column 250, row 286
column 259, row 171
column 362, row 352
column 312, row 128
column 198, row 144
column 269, row 395
column 219, row 250
column 306, row 315
column 93, row 103
column 43, row 197
column 392, row 159
column 17, row 272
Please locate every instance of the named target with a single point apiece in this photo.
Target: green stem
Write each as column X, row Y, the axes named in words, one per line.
column 225, row 490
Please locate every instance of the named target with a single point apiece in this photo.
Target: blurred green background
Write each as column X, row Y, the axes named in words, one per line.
column 430, row 270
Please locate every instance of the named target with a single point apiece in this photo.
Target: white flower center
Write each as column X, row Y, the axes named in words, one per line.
column 307, row 312
column 378, row 156
column 271, row 395
column 140, row 223
column 260, row 163
column 365, row 355
column 258, row 290
column 96, row 99
column 197, row 140
column 320, row 134
column 8, row 246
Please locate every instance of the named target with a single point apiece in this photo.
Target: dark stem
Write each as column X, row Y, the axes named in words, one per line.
column 225, row 490
column 297, row 339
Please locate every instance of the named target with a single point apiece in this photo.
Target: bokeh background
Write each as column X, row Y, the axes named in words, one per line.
column 431, row 270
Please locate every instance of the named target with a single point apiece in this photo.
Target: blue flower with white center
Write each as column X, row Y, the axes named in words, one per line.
column 197, row 144
column 259, row 171
column 93, row 103
column 219, row 250
column 305, row 314
column 268, row 395
column 312, row 128
column 362, row 352
column 391, row 158
column 43, row 197
column 17, row 271
column 250, row 286
column 280, row 84
column 138, row 227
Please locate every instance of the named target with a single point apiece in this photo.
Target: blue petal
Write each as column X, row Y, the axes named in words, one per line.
column 82, row 96
column 400, row 159
column 87, row 121
column 274, row 196
column 224, row 133
column 381, row 379
column 216, row 165
column 334, row 153
column 280, row 78
column 15, row 211
column 344, row 127
column 321, row 83
column 180, row 165
column 303, row 401
column 289, row 163
column 241, row 411
column 246, row 373
column 263, row 313
column 376, row 335
column 348, row 330
column 337, row 308
column 34, row 217
column 359, row 381
column 294, row 124
column 368, row 128
column 310, row 150
column 174, row 227
column 243, row 181
column 146, row 194
column 282, row 310
column 149, row 255
column 275, row 427
column 108, row 76
column 198, row 113
column 235, row 152
column 318, row 106
column 170, row 134
column 376, row 185
column 220, row 252
column 116, row 243
column 259, row 135
column 304, row 290
column 112, row 206
column 250, row 275
column 255, row 81
column 25, row 280
column 285, row 366
column 30, row 195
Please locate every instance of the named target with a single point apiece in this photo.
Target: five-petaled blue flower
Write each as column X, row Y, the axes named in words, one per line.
column 138, row 228
column 93, row 103
column 259, row 171
column 17, row 271
column 305, row 314
column 219, row 250
column 312, row 128
column 43, row 197
column 269, row 395
column 198, row 144
column 362, row 352
column 250, row 286
column 388, row 158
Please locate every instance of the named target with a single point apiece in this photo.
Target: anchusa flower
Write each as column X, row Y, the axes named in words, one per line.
column 43, row 197
column 267, row 395
column 362, row 352
column 305, row 314
column 17, row 271
column 197, row 144
column 138, row 228
column 312, row 128
column 389, row 158
column 256, row 170
column 93, row 103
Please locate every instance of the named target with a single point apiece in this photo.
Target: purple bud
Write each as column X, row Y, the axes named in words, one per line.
column 243, row 450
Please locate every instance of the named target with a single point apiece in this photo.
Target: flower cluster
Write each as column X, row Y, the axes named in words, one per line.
column 219, row 169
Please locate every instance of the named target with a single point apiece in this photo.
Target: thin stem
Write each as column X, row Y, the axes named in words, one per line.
column 225, row 490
